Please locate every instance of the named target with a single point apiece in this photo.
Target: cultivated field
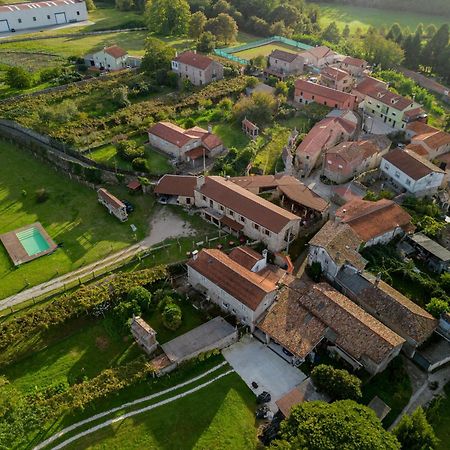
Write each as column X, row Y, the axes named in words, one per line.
column 264, row 50
column 363, row 18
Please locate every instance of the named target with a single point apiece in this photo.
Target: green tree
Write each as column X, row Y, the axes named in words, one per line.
column 259, row 108
column 140, row 296
column 206, row 42
column 286, row 13
column 331, row 33
column 158, row 55
column 380, row 50
column 125, row 5
column 343, row 424
column 415, row 433
column 167, row 17
column 280, row 29
column 436, row 307
column 281, row 88
column 172, row 316
column 90, row 5
column 394, row 32
column 337, row 383
column 346, row 31
column 18, row 78
column 119, row 96
column 224, row 27
column 196, row 25
column 430, row 31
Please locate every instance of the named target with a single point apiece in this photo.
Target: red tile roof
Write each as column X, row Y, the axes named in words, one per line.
column 369, row 84
column 321, row 52
column 354, row 61
column 317, row 89
column 183, row 185
column 248, row 287
column 409, row 162
column 245, row 256
column 283, row 55
column 196, row 60
column 371, row 219
column 115, row 51
column 244, row 203
column 334, row 73
column 110, row 198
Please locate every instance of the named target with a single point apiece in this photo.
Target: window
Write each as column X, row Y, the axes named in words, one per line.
column 325, row 103
column 34, row 19
column 267, row 232
column 397, row 174
column 211, row 203
column 48, row 17
column 335, row 105
column 19, row 20
column 231, row 213
column 390, row 120
column 256, row 226
column 408, row 182
column 378, row 106
column 242, row 219
column 78, row 13
column 393, row 113
column 312, row 97
column 188, row 201
column 204, row 198
column 221, row 208
column 386, row 165
column 307, row 156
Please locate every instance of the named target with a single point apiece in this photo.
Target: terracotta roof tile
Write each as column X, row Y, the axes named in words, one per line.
column 283, row 55
column 414, row 165
column 115, row 51
column 196, row 60
column 110, row 198
column 317, row 89
column 248, row 287
column 183, row 185
column 354, row 61
column 334, row 73
column 371, row 219
column 245, row 256
column 341, row 243
column 247, row 204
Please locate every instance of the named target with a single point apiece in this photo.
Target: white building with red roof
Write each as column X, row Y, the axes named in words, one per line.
column 185, row 145
column 319, row 56
column 198, row 69
column 108, row 58
column 24, row 16
column 115, row 206
column 427, row 141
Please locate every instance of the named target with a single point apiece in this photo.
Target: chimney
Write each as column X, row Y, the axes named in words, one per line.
column 200, row 181
column 378, row 278
column 194, row 254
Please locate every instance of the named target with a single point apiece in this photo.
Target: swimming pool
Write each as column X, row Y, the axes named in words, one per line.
column 32, row 241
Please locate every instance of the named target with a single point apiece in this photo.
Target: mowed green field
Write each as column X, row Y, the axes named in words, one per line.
column 71, row 215
column 263, row 50
column 356, row 16
column 219, row 416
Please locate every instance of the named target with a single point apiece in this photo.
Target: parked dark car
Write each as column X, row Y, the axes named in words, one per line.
column 254, row 385
column 129, row 207
column 264, row 397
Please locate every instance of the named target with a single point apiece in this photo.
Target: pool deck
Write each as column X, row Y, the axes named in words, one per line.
column 15, row 249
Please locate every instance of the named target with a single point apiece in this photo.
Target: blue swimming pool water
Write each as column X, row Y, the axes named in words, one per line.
column 32, row 241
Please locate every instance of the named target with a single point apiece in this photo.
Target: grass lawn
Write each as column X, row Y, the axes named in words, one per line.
column 157, row 163
column 82, row 348
column 266, row 159
column 220, row 416
column 133, row 42
column 71, row 215
column 393, row 386
column 231, row 135
column 264, row 50
column 358, row 16
column 441, row 420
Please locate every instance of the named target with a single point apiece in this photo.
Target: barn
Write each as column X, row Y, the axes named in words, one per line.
column 23, row 16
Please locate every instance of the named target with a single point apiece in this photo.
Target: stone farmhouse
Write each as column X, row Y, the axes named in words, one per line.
column 354, row 66
column 392, row 109
column 24, row 16
column 229, row 206
column 409, row 172
column 115, row 206
column 349, row 159
column 179, row 188
column 309, row 316
column 282, row 64
column 337, row 79
column 242, row 283
column 319, row 57
column 185, row 145
column 144, row 334
column 109, row 58
column 323, row 136
column 198, row 69
column 427, row 141
column 308, row 92
column 396, row 311
column 375, row 222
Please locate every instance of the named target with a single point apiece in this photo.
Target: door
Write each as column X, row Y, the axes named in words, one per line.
column 4, row 26
column 60, row 17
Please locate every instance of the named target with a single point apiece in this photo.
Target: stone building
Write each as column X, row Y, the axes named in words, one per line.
column 144, row 334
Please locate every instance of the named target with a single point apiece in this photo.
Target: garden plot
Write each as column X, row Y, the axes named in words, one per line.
column 265, row 50
column 31, row 61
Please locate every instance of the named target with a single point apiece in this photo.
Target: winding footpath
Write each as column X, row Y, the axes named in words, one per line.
column 109, row 422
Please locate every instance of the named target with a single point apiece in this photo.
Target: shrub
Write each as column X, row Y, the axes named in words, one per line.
column 139, row 164
column 171, row 316
column 141, row 296
column 436, row 307
column 337, row 383
column 49, row 74
column 41, row 195
column 129, row 150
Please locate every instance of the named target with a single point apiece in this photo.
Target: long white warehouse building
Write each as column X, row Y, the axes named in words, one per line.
column 23, row 16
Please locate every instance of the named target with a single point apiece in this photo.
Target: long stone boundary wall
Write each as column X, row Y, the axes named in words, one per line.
column 65, row 158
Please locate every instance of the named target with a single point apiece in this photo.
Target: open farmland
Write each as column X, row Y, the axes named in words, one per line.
column 263, row 50
column 30, row 61
column 357, row 16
